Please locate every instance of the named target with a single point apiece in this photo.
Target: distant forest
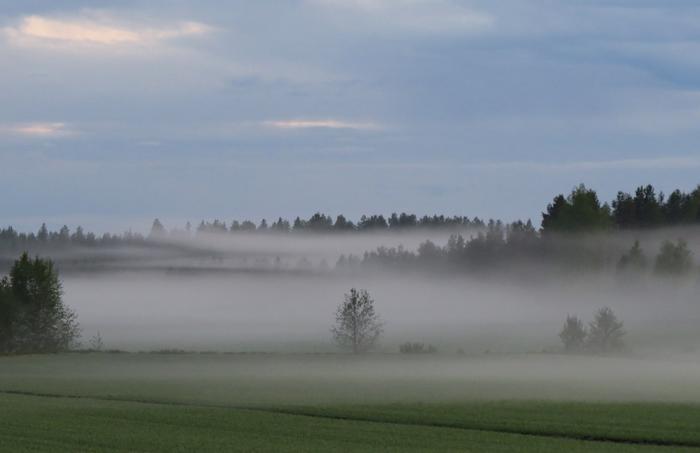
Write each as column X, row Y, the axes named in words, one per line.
column 473, row 242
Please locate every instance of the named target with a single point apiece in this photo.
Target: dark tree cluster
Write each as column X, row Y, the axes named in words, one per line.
column 496, row 245
column 504, row 247
column 499, row 245
column 673, row 259
column 583, row 211
column 604, row 333
column 322, row 223
column 474, row 245
column 44, row 240
column 33, row 317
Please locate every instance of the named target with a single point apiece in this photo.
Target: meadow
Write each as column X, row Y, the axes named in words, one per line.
column 336, row 402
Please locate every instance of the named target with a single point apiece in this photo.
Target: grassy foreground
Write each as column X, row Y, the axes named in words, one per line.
column 144, row 402
column 36, row 423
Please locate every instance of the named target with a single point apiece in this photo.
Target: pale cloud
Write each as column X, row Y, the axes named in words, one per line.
column 37, row 130
column 320, row 124
column 94, row 30
column 430, row 16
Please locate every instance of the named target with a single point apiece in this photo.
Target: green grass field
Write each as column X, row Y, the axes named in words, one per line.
column 200, row 402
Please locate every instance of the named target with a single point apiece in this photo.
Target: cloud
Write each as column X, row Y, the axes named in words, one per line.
column 320, row 124
column 94, row 30
column 429, row 16
column 38, row 130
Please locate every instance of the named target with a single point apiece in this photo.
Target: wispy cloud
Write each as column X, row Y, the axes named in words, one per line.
column 95, row 30
column 321, row 124
column 38, row 130
column 433, row 16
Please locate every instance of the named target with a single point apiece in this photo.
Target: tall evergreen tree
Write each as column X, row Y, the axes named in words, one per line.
column 32, row 309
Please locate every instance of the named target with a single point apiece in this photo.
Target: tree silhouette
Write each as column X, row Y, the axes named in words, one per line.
column 673, row 259
column 633, row 260
column 32, row 313
column 573, row 334
column 157, row 230
column 580, row 211
column 357, row 325
column 605, row 332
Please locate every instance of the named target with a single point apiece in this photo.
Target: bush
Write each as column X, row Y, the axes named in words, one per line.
column 416, row 348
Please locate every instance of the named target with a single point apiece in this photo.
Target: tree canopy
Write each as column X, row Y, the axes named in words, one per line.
column 357, row 325
column 33, row 317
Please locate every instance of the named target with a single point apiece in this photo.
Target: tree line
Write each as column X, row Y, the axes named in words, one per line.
column 647, row 208
column 45, row 240
column 580, row 211
column 508, row 247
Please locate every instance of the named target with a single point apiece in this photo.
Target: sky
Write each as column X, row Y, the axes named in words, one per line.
column 116, row 112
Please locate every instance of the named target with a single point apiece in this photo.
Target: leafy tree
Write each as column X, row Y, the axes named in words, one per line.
column 64, row 235
column 373, row 222
column 298, row 224
column 247, row 225
column 8, row 314
column 633, row 260
column 674, row 211
column 157, row 229
column 43, row 234
column 281, row 226
column 402, row 221
column 605, row 332
column 430, row 253
column 580, row 211
column 573, row 334
column 624, row 210
column 96, row 343
column 32, row 313
column 79, row 236
column 357, row 325
column 343, row 224
column 319, row 223
column 648, row 207
column 673, row 259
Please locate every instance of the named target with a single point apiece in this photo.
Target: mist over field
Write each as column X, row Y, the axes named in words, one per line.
column 349, row 226
column 278, row 293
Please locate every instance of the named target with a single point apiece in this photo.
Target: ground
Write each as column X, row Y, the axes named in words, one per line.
column 222, row 402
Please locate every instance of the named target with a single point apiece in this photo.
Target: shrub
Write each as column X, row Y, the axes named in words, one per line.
column 416, row 348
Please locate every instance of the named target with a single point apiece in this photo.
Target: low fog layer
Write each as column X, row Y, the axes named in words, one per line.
column 232, row 294
column 274, row 380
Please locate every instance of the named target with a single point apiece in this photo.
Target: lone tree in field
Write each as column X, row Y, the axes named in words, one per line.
column 605, row 332
column 33, row 317
column 357, row 326
column 573, row 334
